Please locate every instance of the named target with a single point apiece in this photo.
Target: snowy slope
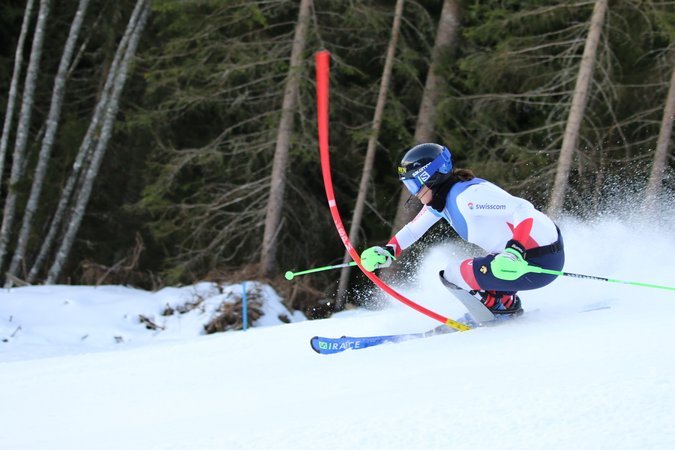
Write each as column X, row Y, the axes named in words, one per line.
column 561, row 377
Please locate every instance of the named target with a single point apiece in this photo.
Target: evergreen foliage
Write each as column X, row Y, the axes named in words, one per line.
column 189, row 166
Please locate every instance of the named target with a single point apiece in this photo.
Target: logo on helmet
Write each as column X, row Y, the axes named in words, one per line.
column 421, row 171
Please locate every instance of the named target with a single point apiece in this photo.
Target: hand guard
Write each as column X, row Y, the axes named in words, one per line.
column 510, row 264
column 376, row 258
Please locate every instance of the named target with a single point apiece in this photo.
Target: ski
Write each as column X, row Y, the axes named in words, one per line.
column 478, row 316
column 328, row 346
column 477, row 310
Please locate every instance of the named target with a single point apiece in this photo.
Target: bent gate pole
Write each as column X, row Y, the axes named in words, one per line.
column 322, row 59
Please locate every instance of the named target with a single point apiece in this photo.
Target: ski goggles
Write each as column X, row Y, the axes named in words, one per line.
column 416, row 180
column 413, row 185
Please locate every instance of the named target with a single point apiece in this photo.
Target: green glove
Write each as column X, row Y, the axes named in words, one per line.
column 510, row 264
column 376, row 258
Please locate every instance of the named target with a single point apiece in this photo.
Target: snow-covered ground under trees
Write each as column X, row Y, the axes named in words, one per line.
column 590, row 366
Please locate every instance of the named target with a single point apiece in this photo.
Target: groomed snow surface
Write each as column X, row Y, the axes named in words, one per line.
column 591, row 365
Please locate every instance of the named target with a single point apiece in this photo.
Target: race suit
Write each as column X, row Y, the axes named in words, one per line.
column 488, row 216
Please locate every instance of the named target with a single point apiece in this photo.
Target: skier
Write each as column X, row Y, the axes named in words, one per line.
column 509, row 228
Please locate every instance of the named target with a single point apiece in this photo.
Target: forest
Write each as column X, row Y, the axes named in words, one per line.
column 161, row 142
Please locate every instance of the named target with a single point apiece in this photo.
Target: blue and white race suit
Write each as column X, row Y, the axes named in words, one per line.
column 488, row 216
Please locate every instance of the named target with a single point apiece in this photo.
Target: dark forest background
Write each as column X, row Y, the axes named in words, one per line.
column 186, row 176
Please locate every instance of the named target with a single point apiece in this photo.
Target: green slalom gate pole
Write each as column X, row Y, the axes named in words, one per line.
column 289, row 275
column 526, row 268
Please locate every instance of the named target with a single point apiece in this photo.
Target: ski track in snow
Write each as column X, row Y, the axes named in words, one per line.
column 557, row 378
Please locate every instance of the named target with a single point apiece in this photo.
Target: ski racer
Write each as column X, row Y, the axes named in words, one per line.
column 508, row 228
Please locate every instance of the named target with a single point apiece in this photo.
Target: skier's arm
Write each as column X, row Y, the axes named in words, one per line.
column 414, row 230
column 379, row 257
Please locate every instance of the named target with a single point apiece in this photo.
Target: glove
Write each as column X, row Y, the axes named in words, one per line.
column 377, row 257
column 510, row 264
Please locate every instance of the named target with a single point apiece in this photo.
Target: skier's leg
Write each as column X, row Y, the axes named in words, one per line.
column 460, row 273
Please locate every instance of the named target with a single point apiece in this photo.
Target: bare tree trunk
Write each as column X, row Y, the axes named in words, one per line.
column 11, row 97
column 661, row 154
column 19, row 156
column 83, row 156
column 577, row 109
column 134, row 30
column 357, row 215
column 48, row 139
column 268, row 263
column 446, row 35
column 81, row 160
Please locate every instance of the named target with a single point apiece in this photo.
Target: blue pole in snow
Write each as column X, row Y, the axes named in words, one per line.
column 244, row 306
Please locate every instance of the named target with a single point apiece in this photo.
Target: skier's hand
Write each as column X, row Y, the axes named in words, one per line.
column 510, row 264
column 376, row 258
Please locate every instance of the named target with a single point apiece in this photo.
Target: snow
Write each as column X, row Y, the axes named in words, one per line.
column 590, row 365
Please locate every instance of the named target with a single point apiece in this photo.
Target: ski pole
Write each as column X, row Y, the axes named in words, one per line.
column 526, row 268
column 289, row 275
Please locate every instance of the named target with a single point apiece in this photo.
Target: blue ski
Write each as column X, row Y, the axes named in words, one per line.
column 328, row 346
column 478, row 316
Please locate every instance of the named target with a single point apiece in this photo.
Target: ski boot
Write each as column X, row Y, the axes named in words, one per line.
column 501, row 302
